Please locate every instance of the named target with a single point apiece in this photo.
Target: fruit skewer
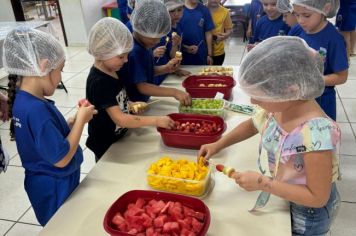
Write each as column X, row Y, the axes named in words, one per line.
column 228, row 171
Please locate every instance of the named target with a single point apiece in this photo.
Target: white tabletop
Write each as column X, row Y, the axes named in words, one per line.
column 123, row 168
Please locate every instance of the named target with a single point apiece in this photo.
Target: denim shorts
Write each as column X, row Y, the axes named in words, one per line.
column 315, row 221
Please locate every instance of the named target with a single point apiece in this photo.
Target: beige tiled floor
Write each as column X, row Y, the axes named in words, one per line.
column 17, row 216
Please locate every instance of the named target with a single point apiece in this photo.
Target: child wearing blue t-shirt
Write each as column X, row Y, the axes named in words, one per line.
column 48, row 146
column 150, row 21
column 197, row 39
column 289, row 18
column 169, row 45
column 271, row 24
column 321, row 35
column 255, row 12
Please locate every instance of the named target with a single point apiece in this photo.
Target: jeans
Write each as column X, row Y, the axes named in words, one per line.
column 315, row 221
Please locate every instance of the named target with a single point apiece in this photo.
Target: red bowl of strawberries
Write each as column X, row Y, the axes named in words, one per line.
column 192, row 130
column 150, row 213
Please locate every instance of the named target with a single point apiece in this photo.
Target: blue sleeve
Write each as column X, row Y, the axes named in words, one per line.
column 256, row 32
column 51, row 143
column 337, row 55
column 209, row 24
column 137, row 67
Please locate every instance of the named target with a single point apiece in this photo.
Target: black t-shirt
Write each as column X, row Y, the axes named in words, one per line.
column 104, row 91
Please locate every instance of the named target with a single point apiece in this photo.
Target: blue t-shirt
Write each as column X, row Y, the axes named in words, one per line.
column 41, row 133
column 256, row 11
column 194, row 23
column 138, row 69
column 123, row 8
column 166, row 57
column 295, row 30
column 129, row 26
column 266, row 28
column 332, row 43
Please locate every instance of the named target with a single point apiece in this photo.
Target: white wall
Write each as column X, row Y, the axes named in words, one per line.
column 6, row 12
column 79, row 16
column 92, row 11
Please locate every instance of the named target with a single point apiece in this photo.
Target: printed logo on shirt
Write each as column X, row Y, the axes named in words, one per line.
column 323, row 52
column 201, row 22
column 122, row 100
column 17, row 122
column 299, row 163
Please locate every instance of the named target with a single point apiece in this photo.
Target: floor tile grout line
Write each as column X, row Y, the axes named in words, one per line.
column 348, row 202
column 12, row 226
column 347, row 116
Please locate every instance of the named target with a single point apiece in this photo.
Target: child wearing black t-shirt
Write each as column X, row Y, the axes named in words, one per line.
column 110, row 42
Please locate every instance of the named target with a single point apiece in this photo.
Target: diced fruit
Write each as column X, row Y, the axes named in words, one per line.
column 170, row 221
column 180, row 176
column 203, row 127
column 204, row 106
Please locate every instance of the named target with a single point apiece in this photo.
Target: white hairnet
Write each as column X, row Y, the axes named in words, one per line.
column 24, row 49
column 173, row 4
column 290, row 71
column 151, row 19
column 328, row 8
column 109, row 38
column 284, row 6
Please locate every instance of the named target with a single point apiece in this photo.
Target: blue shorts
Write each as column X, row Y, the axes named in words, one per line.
column 310, row 221
column 346, row 18
column 327, row 102
column 48, row 193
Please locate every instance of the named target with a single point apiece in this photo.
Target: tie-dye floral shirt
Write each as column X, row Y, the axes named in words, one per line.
column 317, row 134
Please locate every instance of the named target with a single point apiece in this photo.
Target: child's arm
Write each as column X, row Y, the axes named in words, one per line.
column 158, row 91
column 242, row 132
column 318, row 167
column 84, row 115
column 209, row 43
column 168, row 68
column 336, row 78
column 132, row 121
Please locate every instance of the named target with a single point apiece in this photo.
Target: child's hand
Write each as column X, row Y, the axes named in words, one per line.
column 85, row 113
column 138, row 107
column 181, row 72
column 209, row 60
column 208, row 150
column 193, row 49
column 183, row 97
column 159, row 51
column 249, row 180
column 173, row 65
column 220, row 37
column 164, row 122
column 250, row 47
column 176, row 39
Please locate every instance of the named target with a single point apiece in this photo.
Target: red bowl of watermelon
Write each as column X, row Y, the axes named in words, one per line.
column 144, row 212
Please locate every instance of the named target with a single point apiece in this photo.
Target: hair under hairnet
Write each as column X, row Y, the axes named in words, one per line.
column 284, row 6
column 25, row 49
column 328, row 8
column 151, row 19
column 108, row 38
column 282, row 69
column 173, row 4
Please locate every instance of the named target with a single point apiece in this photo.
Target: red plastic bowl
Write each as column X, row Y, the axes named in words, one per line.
column 120, row 205
column 189, row 140
column 191, row 85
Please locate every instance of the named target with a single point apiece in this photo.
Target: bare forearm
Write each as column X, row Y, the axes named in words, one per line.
column 73, row 140
column 154, row 90
column 242, row 132
column 132, row 121
column 336, row 78
column 299, row 194
column 161, row 70
column 209, row 42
